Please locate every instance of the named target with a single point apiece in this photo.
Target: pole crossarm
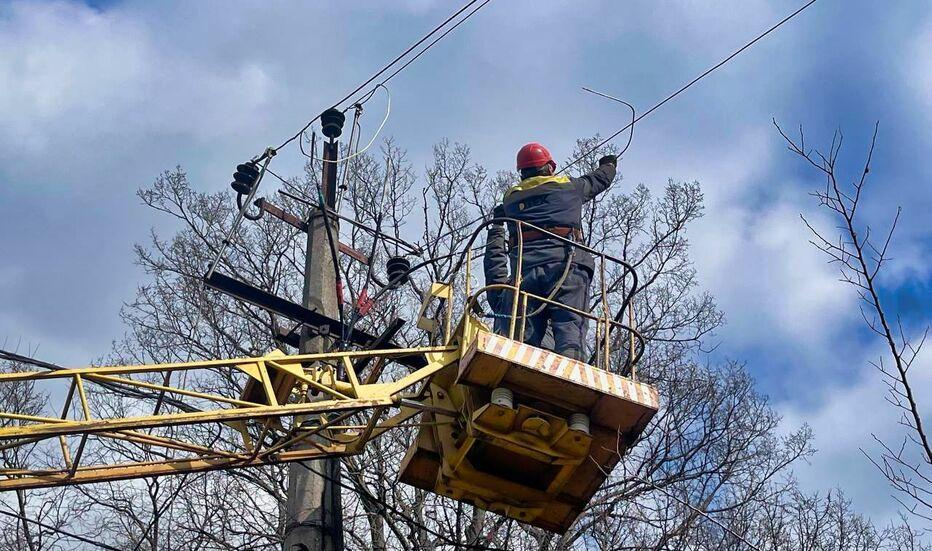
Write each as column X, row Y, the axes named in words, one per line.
column 285, row 400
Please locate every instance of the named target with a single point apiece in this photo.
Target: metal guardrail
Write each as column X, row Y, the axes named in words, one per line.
column 606, row 324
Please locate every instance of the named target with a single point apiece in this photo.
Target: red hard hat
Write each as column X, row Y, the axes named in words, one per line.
column 534, row 155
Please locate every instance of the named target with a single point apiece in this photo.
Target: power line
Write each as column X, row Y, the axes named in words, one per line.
column 158, row 512
column 391, row 64
column 59, row 531
column 368, row 495
column 123, row 389
column 633, row 116
column 429, row 46
column 697, row 510
column 654, row 108
column 690, row 83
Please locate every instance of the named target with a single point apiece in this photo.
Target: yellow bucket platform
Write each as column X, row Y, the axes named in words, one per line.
column 530, row 455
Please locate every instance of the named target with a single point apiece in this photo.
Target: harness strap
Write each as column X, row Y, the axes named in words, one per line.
column 536, row 235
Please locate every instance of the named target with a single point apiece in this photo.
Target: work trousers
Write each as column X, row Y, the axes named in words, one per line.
column 568, row 327
column 501, row 306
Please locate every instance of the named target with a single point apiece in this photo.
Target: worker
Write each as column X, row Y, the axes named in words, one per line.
column 552, row 268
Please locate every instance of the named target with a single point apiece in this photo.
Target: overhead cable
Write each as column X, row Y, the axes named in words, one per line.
column 391, row 64
column 429, row 46
column 59, row 531
column 690, row 83
column 367, row 495
column 633, row 117
column 388, row 111
column 697, row 510
column 656, row 106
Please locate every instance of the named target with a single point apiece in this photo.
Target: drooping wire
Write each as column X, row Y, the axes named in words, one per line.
column 626, row 104
column 386, row 67
column 387, row 507
column 124, row 390
column 690, row 83
column 353, row 147
column 388, row 111
column 313, row 143
column 697, row 510
column 592, row 204
column 59, row 531
column 368, row 96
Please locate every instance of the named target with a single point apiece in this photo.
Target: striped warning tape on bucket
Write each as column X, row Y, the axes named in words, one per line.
column 566, row 368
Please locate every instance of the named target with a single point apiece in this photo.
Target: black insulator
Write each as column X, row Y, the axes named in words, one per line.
column 331, row 123
column 245, row 178
column 397, row 267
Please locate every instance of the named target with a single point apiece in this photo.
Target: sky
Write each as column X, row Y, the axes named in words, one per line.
column 98, row 98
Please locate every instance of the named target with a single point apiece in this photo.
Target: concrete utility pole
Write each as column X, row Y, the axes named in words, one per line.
column 315, row 515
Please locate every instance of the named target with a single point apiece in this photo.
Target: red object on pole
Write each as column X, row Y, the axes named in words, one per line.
column 340, row 291
column 364, row 303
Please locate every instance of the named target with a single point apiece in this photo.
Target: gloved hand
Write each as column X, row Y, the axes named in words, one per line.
column 498, row 211
column 609, row 160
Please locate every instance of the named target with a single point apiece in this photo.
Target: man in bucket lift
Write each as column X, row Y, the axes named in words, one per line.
column 551, row 268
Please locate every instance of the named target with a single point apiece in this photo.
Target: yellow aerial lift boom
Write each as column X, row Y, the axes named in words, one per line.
column 502, row 425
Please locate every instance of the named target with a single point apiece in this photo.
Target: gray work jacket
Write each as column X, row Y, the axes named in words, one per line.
column 554, row 201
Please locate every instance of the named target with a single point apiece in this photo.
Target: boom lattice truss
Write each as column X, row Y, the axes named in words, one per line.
column 267, row 424
column 501, row 425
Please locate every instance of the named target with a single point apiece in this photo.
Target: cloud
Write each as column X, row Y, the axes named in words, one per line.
column 95, row 103
column 686, row 25
column 917, row 67
column 845, row 422
column 751, row 249
column 72, row 73
column 774, row 285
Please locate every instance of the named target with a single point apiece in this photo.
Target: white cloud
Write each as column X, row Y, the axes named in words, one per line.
column 772, row 283
column 115, row 96
column 72, row 73
column 917, row 67
column 845, row 422
column 751, row 249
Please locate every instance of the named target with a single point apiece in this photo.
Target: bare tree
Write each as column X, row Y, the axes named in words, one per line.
column 710, row 471
column 906, row 464
column 34, row 517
